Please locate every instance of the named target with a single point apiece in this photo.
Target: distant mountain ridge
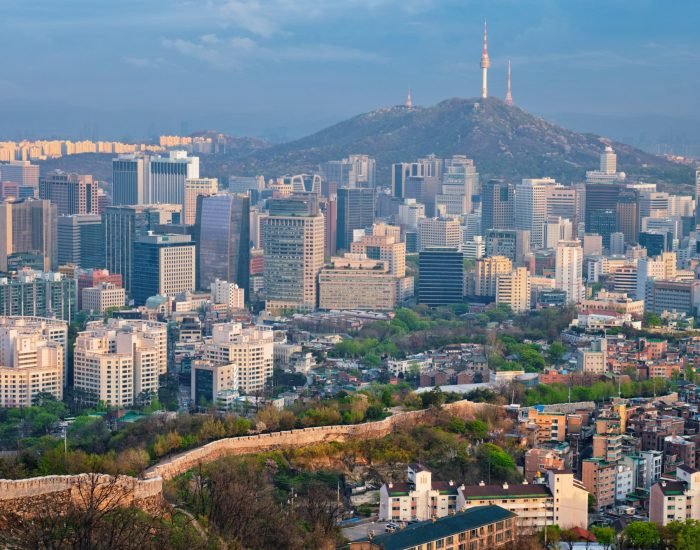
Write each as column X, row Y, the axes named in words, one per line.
column 503, row 140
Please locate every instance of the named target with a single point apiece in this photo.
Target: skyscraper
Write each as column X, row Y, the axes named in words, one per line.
column 21, row 172
column 71, row 193
column 122, row 226
column 531, row 207
column 28, row 234
column 497, row 206
column 163, row 265
column 293, row 236
column 129, row 180
column 569, row 270
column 459, row 182
column 193, row 189
column 222, row 234
column 167, row 175
column 441, row 277
column 81, row 241
column 355, row 211
column 599, row 197
column 697, row 196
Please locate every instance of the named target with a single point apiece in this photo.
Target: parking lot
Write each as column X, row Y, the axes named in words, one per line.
column 360, row 530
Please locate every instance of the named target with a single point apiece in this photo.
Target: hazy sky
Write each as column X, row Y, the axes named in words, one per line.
column 284, row 67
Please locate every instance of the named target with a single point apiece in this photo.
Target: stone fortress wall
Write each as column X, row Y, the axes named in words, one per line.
column 28, row 495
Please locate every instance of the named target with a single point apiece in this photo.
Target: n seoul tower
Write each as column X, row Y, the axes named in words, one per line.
column 485, row 64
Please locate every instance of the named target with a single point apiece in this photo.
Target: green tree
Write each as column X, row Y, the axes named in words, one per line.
column 642, row 535
column 605, row 536
column 556, row 352
column 652, row 319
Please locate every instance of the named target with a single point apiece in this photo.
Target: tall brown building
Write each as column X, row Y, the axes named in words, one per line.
column 71, row 193
column 28, row 235
column 628, row 215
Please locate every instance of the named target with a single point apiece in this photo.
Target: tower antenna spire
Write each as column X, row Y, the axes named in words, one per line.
column 509, row 96
column 485, row 64
column 409, row 102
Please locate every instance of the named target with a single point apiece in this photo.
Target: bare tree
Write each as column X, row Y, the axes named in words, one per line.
column 98, row 516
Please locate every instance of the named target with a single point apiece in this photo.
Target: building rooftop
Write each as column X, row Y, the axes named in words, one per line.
column 427, row 531
column 521, row 490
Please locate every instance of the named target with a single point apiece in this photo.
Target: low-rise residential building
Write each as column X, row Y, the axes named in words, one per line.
column 676, row 500
column 559, row 499
column 477, row 528
column 598, row 476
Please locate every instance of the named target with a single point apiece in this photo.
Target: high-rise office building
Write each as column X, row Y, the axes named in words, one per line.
column 222, row 235
column 567, row 202
column 166, row 177
column 37, row 294
column 497, row 206
column 103, row 297
column 250, row 349
column 604, row 222
column 459, row 182
column 164, row 265
column 92, row 278
column 627, row 208
column 514, row 244
column 32, row 359
column 607, row 173
column 21, row 172
column 410, row 213
column 71, row 193
column 293, row 240
column 513, row 289
column 28, row 231
column 355, row 281
column 531, row 207
column 195, row 188
column 384, row 244
column 599, row 198
column 569, row 270
column 354, row 171
column 439, row 233
column 557, row 229
column 355, row 211
column 120, row 363
column 81, row 241
column 129, row 180
column 486, row 272
column 122, row 225
column 441, row 276
column 697, row 196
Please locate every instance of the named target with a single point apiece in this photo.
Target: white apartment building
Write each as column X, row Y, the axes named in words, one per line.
column 676, row 500
column 223, row 292
column 31, row 359
column 251, row 349
column 569, row 270
column 514, row 289
column 594, row 359
column 486, row 273
column 121, row 361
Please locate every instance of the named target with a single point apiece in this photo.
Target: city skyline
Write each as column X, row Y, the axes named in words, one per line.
column 285, row 69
